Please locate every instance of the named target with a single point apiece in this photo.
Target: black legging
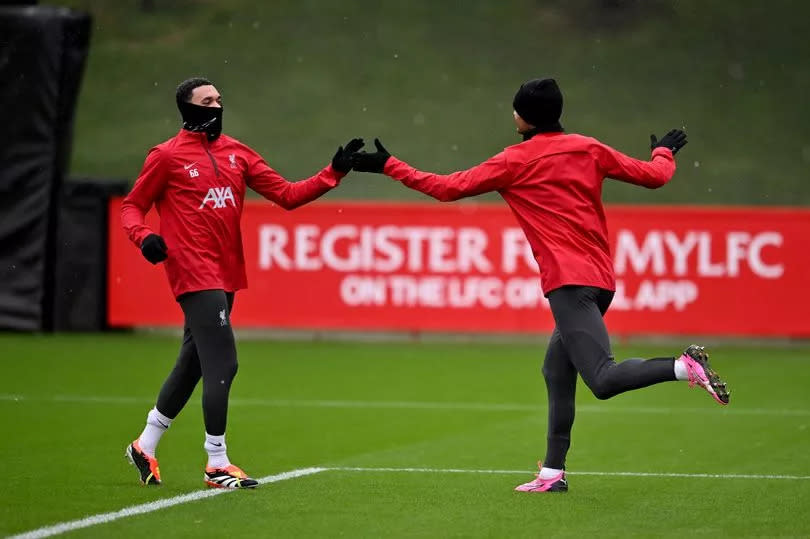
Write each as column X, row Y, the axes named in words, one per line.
column 580, row 344
column 208, row 351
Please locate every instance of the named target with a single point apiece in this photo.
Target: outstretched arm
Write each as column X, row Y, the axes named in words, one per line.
column 490, row 175
column 653, row 173
column 290, row 195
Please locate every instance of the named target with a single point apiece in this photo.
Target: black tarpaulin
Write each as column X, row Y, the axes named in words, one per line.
column 42, row 55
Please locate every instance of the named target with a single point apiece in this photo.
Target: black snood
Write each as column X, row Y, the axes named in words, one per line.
column 201, row 119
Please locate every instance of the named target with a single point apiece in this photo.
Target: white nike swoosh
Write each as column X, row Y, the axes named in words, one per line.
column 189, row 166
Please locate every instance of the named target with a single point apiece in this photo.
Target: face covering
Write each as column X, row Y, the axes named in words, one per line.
column 529, row 133
column 202, row 119
column 552, row 128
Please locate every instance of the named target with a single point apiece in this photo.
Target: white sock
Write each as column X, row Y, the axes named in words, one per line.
column 549, row 473
column 680, row 370
column 156, row 425
column 217, row 451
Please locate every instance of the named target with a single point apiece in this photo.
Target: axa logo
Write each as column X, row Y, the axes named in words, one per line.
column 218, row 196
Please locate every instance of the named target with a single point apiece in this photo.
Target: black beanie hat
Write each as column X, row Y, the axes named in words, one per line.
column 539, row 102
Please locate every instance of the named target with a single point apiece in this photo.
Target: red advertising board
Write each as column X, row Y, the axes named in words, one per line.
column 466, row 267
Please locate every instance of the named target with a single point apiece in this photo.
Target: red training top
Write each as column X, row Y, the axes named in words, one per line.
column 199, row 190
column 553, row 184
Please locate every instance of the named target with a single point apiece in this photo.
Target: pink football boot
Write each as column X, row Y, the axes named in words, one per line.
column 555, row 484
column 696, row 361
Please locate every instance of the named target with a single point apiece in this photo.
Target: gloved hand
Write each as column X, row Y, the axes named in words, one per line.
column 371, row 162
column 154, row 249
column 342, row 161
column 674, row 140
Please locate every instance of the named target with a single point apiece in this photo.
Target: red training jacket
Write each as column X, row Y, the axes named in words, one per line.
column 199, row 191
column 553, row 184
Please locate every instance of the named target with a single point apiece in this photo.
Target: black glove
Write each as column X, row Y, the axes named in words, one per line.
column 154, row 249
column 674, row 140
column 342, row 161
column 371, row 162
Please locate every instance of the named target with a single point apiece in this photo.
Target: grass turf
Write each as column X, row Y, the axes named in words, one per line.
column 71, row 403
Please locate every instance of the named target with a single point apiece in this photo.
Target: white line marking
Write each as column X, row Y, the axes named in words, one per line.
column 417, row 405
column 609, row 474
column 103, row 518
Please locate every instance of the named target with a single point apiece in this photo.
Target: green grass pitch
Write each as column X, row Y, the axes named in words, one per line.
column 70, row 404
